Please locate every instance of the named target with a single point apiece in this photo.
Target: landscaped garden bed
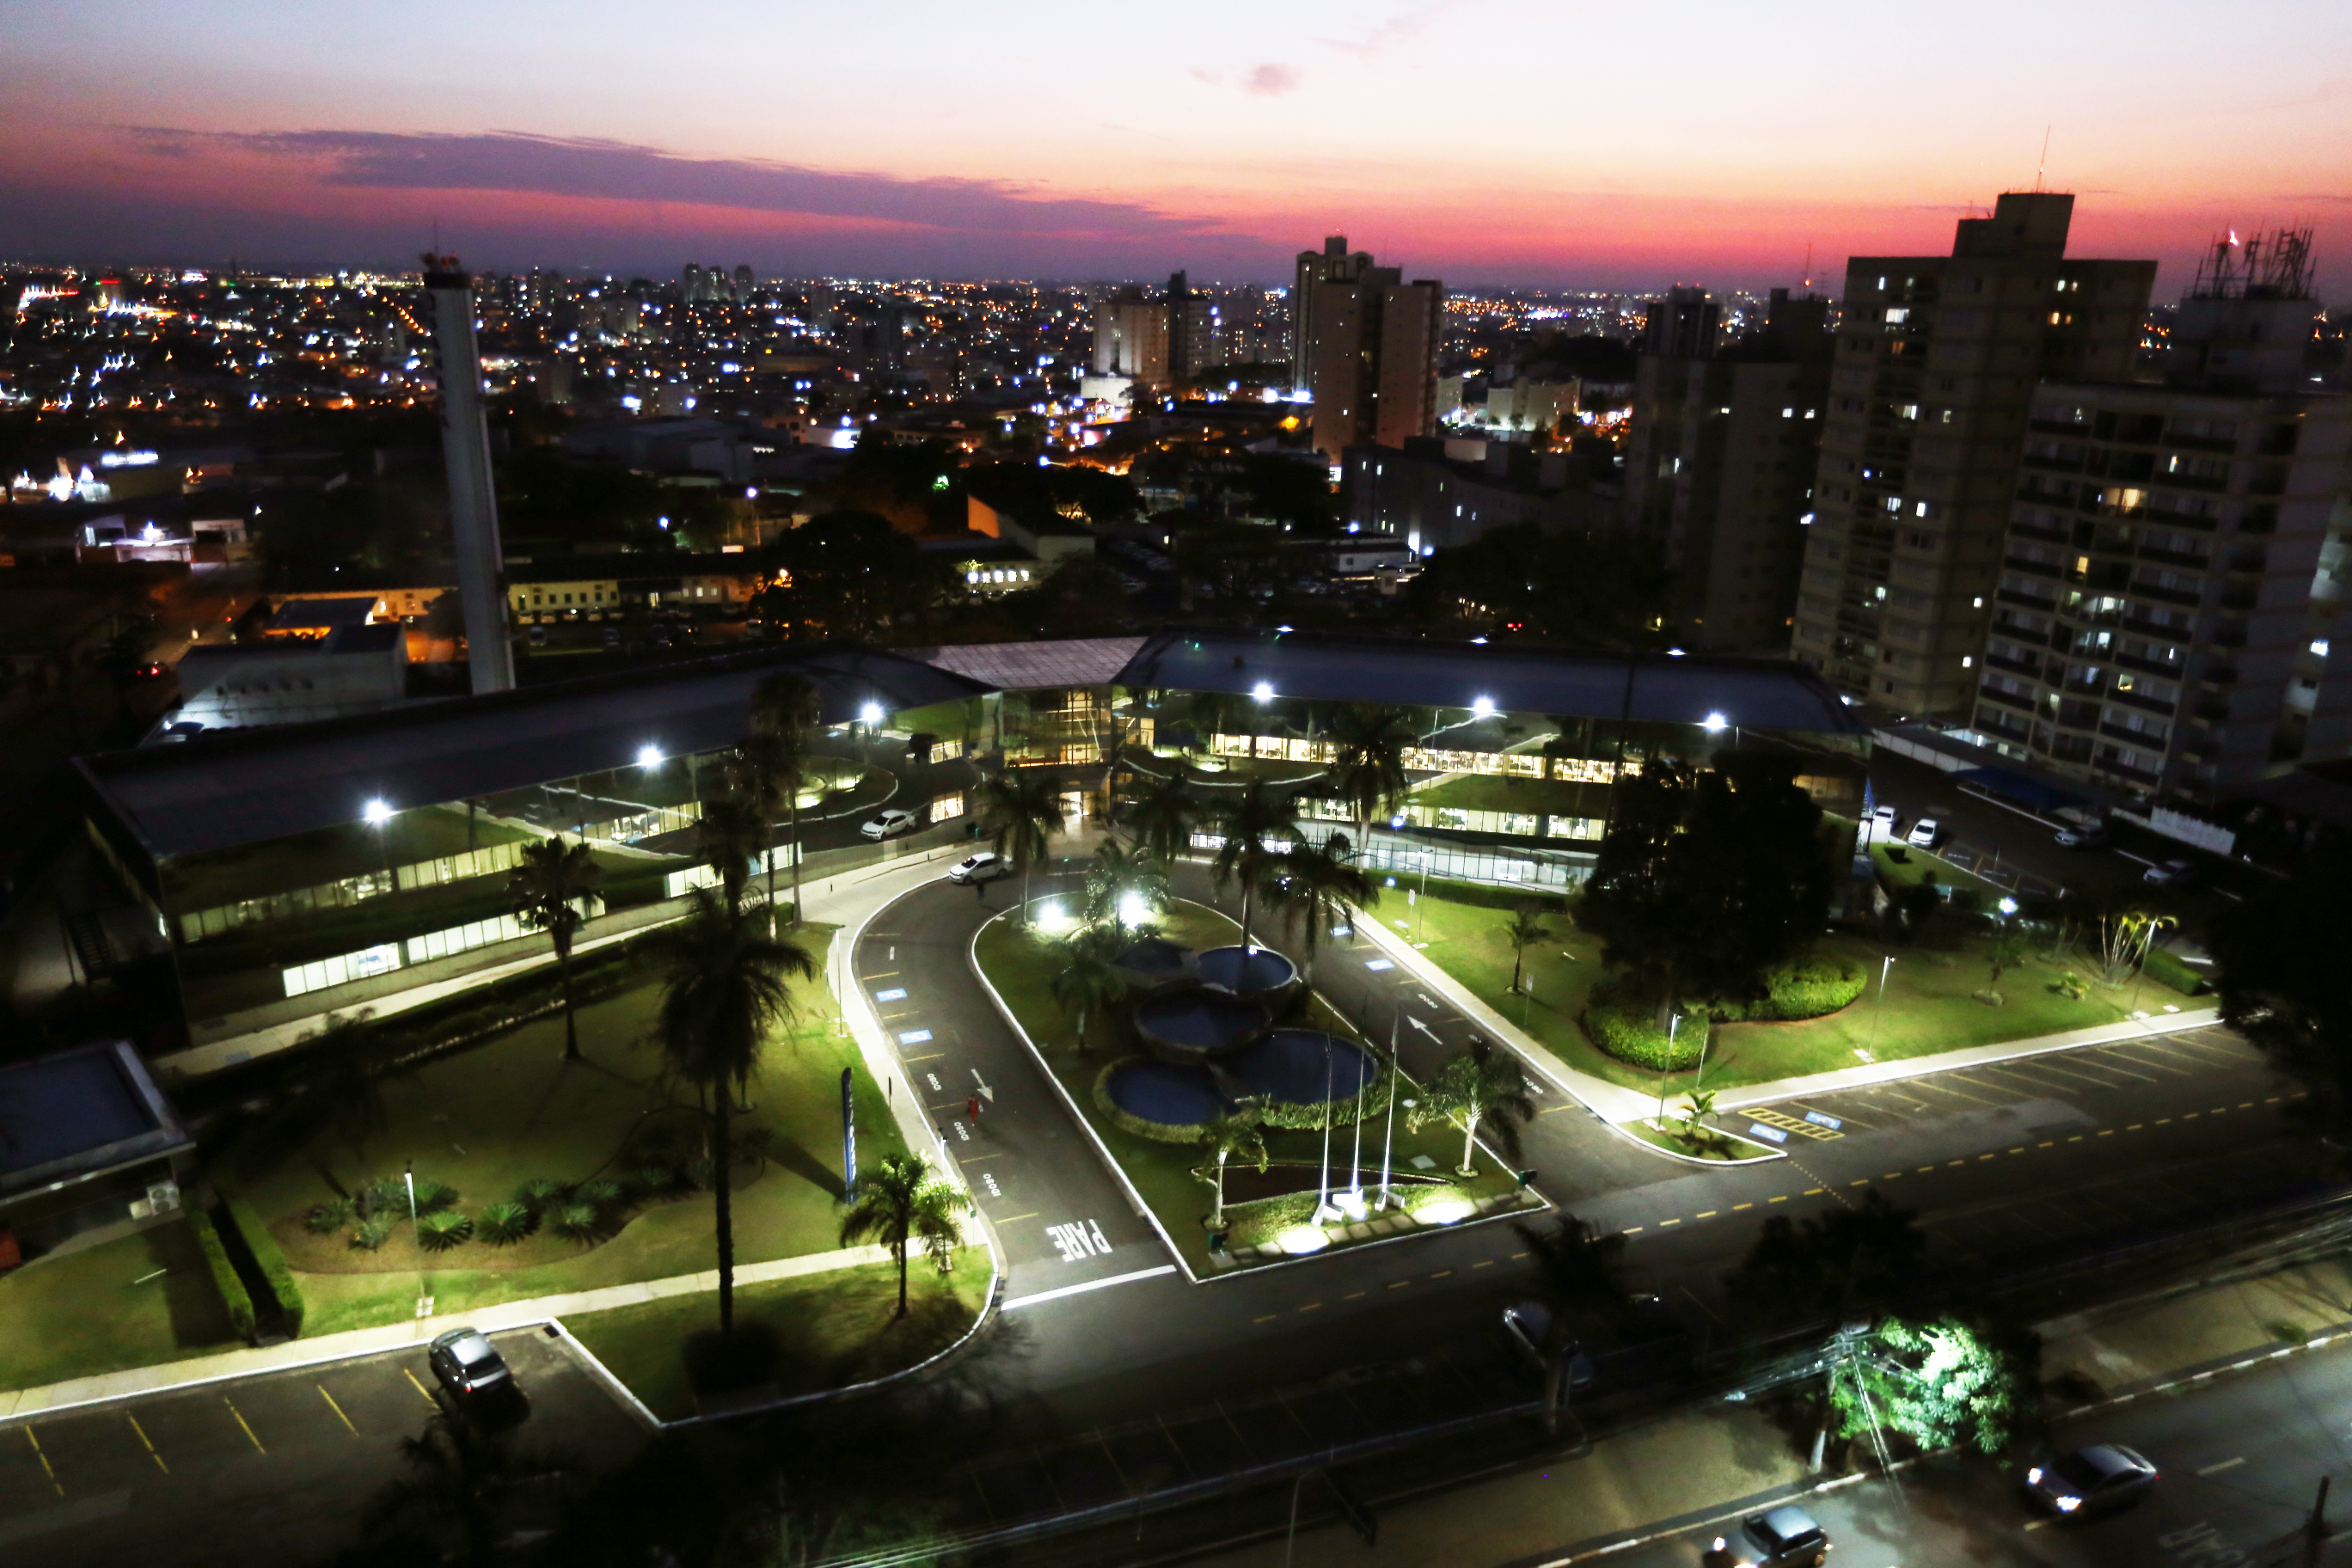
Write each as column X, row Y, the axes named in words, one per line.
column 1168, row 1168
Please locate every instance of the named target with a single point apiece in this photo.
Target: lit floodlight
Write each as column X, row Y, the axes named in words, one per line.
column 650, row 756
column 1052, row 919
column 2008, row 906
column 871, row 713
column 1482, row 707
column 1263, row 691
column 1134, row 908
column 1715, row 723
column 377, row 812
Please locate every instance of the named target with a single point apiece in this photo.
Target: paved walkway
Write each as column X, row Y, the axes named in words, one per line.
column 353, row 1342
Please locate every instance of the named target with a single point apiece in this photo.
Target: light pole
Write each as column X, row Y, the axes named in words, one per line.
column 1323, row 1189
column 1387, row 1138
column 1878, row 1014
column 1673, row 1025
column 1355, row 1161
column 416, row 1239
column 1423, row 897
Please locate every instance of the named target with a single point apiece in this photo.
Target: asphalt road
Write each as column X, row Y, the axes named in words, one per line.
column 2240, row 1458
column 287, row 1461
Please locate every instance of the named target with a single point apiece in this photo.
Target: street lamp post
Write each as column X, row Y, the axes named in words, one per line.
column 1674, row 1025
column 1323, row 1189
column 1878, row 1014
column 416, row 1239
column 1387, row 1138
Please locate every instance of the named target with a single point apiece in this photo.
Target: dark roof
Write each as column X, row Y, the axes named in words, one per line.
column 80, row 1113
column 245, row 786
column 630, row 566
column 1762, row 693
column 346, row 610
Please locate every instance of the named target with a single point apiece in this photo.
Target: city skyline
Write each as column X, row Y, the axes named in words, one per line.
column 1086, row 146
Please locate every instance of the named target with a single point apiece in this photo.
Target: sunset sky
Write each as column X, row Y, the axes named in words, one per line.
column 1602, row 145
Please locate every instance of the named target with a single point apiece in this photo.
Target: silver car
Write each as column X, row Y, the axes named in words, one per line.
column 985, row 867
column 468, row 1364
column 1777, row 1537
column 2091, row 1481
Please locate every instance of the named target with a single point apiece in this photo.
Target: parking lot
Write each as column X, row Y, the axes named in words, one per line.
column 289, row 1459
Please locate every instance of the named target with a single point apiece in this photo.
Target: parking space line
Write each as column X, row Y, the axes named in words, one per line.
column 2108, row 1059
column 1989, row 1088
column 36, row 1442
column 336, row 1409
column 422, row 1392
column 144, row 1439
column 2224, row 1465
column 232, row 1410
column 2125, row 1053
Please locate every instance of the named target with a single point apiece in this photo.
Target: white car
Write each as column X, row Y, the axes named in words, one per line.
column 1924, row 834
column 985, row 867
column 2083, row 836
column 1880, row 824
column 2171, row 874
column 889, row 825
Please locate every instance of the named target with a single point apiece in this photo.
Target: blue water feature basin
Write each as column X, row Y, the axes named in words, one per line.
column 1155, row 961
column 1261, row 971
column 1165, row 1093
column 1288, row 1065
column 1192, row 1023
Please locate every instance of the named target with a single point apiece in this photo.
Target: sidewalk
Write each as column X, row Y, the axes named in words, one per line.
column 145, row 1380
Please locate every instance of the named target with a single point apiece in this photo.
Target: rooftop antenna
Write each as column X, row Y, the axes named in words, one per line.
column 2039, row 169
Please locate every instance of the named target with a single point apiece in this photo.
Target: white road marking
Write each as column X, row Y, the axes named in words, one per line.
column 1078, row 1240
column 1056, row 1295
column 2224, row 1465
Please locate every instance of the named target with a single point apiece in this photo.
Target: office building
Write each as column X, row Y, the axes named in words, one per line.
column 1364, row 344
column 1937, row 360
column 2171, row 588
column 1719, row 465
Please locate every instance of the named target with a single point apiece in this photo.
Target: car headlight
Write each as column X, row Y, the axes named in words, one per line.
column 2033, row 1475
column 2067, row 1504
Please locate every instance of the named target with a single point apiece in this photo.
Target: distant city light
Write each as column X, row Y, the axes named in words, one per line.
column 650, row 756
column 378, row 812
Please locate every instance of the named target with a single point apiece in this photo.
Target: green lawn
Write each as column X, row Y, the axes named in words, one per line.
column 835, row 1328
column 1162, row 1172
column 96, row 1311
column 489, row 1119
column 1930, row 1005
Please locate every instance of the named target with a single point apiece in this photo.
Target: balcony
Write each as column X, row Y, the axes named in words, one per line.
column 2149, row 666
column 2188, row 598
column 2120, row 769
column 2147, row 704
column 2223, row 444
column 2039, row 568
column 2027, row 601
column 2174, row 557
column 2022, row 702
column 2152, row 739
column 2032, row 667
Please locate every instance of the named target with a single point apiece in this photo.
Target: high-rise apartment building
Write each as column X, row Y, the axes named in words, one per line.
column 2172, row 592
column 1131, row 337
column 1934, row 374
column 1719, row 465
column 1364, row 343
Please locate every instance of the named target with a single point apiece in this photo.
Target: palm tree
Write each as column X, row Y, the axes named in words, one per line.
column 1020, row 814
column 786, row 713
column 1579, row 1271
column 1526, row 930
column 1246, row 826
column 1160, row 815
column 1474, row 1087
column 1119, row 873
column 548, row 884
column 1092, row 981
column 1368, row 747
column 729, row 985
column 462, row 1473
column 902, row 1203
column 334, row 1082
column 1226, row 1135
column 729, row 834
column 1318, row 890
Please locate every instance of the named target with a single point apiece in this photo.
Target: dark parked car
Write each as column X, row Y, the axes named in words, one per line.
column 2091, row 1481
column 468, row 1365
column 1776, row 1538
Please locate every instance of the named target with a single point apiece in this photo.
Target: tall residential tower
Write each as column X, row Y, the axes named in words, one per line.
column 1364, row 343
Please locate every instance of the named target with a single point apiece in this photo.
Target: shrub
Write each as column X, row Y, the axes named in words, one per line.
column 385, row 1195
column 442, row 1229
column 232, row 1290
column 577, row 1222
column 604, row 1195
column 651, row 1180
column 433, row 1196
column 372, row 1232
column 326, row 1218
column 504, row 1223
column 540, row 1192
column 275, row 1270
column 2069, row 986
column 2168, row 970
column 1624, row 1027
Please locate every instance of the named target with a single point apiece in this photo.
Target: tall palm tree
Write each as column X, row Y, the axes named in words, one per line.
column 1119, row 873
column 785, row 715
column 1368, row 747
column 729, row 834
column 1091, row 982
column 1526, row 930
column 548, row 884
column 1021, row 815
column 1233, row 1134
column 1253, row 821
column 729, row 984
column 333, row 1081
column 461, row 1475
column 1475, row 1087
column 1160, row 815
column 1317, row 890
column 902, row 1204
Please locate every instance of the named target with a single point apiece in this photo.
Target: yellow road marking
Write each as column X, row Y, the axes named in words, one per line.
column 1892, row 1176
column 2077, row 1138
column 1859, row 1182
column 232, row 1410
column 1736, row 1207
column 1485, row 1263
column 1664, row 1223
column 1352, row 1295
column 1312, row 1307
column 1949, row 1163
column 1781, row 1199
column 337, row 1409
column 1399, row 1284
column 1630, row 1230
column 2193, row 1115
column 36, row 1442
column 2046, row 1146
column 1925, row 1169
column 1008, row 1219
column 935, row 1055
column 1981, row 1158
column 2245, row 1105
column 2273, row 1099
column 144, row 1438
column 1518, row 1255
column 1441, row 1274
column 421, row 1391
column 2136, row 1127
column 1267, row 1319
column 1812, row 1191
column 1706, row 1214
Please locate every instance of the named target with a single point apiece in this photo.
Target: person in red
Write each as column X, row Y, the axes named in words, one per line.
column 972, row 1111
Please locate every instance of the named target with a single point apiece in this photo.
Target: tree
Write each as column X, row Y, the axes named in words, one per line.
column 1021, row 814
column 461, row 1475
column 333, row 1081
column 727, row 985
column 1708, row 880
column 903, row 1205
column 1121, row 879
column 548, row 883
column 1318, row 890
column 1829, row 1265
column 1941, row 1385
column 1161, row 814
column 2005, row 953
column 1580, row 1275
column 1575, row 588
column 1257, row 831
column 1091, row 980
column 1526, row 930
column 729, row 836
column 2282, row 956
column 785, row 715
column 1473, row 1088
column 2124, row 936
column 850, row 575
column 1368, row 746
column 1231, row 1134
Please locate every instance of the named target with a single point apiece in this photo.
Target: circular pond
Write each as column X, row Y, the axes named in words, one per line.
column 1154, row 960
column 1192, row 1023
column 1289, row 1066
column 1251, row 973
column 1164, row 1092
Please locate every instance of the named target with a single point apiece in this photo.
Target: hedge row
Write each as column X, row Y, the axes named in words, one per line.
column 1807, row 988
column 2166, row 970
column 1627, row 1029
column 232, row 1290
column 272, row 1260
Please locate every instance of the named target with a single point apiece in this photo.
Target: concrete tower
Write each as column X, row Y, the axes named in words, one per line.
column 473, row 501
